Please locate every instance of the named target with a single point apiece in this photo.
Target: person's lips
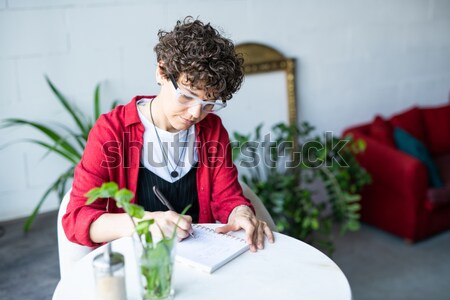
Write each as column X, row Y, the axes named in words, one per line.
column 187, row 121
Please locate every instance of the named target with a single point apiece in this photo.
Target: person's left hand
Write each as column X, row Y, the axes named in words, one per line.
column 242, row 217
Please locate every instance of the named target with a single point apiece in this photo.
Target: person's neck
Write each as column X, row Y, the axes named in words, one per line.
column 159, row 118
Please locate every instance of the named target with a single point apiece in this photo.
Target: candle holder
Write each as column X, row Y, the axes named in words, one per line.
column 109, row 275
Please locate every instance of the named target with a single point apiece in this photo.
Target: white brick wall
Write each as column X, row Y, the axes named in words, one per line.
column 355, row 59
column 32, row 32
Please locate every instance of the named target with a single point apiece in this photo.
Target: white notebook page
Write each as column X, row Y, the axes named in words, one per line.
column 209, row 250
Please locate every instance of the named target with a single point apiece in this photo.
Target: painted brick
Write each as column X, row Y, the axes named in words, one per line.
column 114, row 26
column 13, row 174
column 139, row 63
column 428, row 35
column 428, row 91
column 371, row 41
column 73, row 74
column 8, row 83
column 271, row 106
column 387, row 12
column 32, row 32
column 441, row 9
column 18, row 4
column 231, row 16
column 42, row 169
column 344, row 108
column 322, row 45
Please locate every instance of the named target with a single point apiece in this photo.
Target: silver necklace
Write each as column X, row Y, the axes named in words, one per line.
column 173, row 173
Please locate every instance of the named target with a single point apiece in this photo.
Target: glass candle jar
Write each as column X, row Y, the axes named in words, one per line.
column 109, row 274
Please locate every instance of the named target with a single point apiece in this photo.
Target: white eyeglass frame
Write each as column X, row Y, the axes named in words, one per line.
column 196, row 100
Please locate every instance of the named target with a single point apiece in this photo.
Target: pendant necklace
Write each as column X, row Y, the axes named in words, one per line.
column 174, row 173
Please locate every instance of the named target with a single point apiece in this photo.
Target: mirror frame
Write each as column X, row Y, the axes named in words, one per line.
column 259, row 58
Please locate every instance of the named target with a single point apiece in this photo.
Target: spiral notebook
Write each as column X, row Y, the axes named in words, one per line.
column 209, row 250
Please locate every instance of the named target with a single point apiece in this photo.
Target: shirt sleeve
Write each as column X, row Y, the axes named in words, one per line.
column 101, row 153
column 226, row 190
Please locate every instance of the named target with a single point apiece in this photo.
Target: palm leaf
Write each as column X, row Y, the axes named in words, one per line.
column 45, row 130
column 97, row 102
column 81, row 141
column 53, row 187
column 54, row 148
column 67, row 105
column 69, row 144
column 115, row 103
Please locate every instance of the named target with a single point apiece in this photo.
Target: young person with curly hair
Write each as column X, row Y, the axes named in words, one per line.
column 173, row 141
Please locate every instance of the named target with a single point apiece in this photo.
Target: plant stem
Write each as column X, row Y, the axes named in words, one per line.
column 139, row 237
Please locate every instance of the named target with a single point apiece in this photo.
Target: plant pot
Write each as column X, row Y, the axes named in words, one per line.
column 155, row 267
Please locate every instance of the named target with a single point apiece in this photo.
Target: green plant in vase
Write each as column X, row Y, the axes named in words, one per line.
column 155, row 257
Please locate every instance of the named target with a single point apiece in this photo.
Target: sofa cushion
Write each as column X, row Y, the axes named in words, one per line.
column 382, row 131
column 412, row 122
column 412, row 146
column 437, row 126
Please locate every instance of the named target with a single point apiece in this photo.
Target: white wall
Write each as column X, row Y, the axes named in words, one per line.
column 356, row 58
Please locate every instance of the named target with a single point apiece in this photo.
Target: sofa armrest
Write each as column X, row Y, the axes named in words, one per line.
column 392, row 168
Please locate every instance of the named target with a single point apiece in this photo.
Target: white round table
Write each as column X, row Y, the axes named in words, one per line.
column 287, row 269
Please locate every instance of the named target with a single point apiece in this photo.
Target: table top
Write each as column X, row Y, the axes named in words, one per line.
column 287, row 269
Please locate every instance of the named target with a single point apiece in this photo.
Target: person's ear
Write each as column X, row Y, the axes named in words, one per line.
column 160, row 77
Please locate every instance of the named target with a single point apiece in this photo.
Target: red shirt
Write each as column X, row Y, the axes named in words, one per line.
column 113, row 152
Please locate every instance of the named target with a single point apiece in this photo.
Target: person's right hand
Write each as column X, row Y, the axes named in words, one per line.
column 166, row 221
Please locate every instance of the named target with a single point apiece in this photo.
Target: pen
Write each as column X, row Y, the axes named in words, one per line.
column 166, row 202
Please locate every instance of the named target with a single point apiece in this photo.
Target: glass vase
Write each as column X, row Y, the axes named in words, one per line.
column 155, row 267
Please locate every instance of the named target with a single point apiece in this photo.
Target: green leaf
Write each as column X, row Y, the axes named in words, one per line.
column 134, row 210
column 354, row 207
column 109, row 189
column 176, row 226
column 67, row 106
column 353, row 225
column 352, row 197
column 53, row 187
column 143, row 228
column 53, row 149
column 93, row 195
column 314, row 224
column 115, row 103
column 361, row 144
column 123, row 196
column 97, row 102
column 45, row 130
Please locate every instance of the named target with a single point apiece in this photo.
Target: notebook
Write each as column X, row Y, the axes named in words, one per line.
column 209, row 250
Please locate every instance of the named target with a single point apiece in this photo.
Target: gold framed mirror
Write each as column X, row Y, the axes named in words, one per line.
column 259, row 58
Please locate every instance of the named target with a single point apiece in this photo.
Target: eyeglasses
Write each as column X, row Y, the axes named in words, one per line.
column 186, row 99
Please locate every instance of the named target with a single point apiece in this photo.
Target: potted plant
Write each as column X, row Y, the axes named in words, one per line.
column 61, row 141
column 289, row 172
column 155, row 257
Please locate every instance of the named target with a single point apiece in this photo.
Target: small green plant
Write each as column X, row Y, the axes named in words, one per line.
column 60, row 140
column 288, row 173
column 156, row 261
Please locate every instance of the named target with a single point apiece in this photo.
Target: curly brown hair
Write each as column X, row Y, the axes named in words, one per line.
column 207, row 59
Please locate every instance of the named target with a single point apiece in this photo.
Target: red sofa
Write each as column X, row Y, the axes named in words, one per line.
column 400, row 199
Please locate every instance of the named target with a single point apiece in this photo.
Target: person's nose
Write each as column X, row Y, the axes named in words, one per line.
column 195, row 111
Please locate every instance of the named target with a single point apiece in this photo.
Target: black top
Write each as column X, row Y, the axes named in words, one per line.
column 180, row 193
